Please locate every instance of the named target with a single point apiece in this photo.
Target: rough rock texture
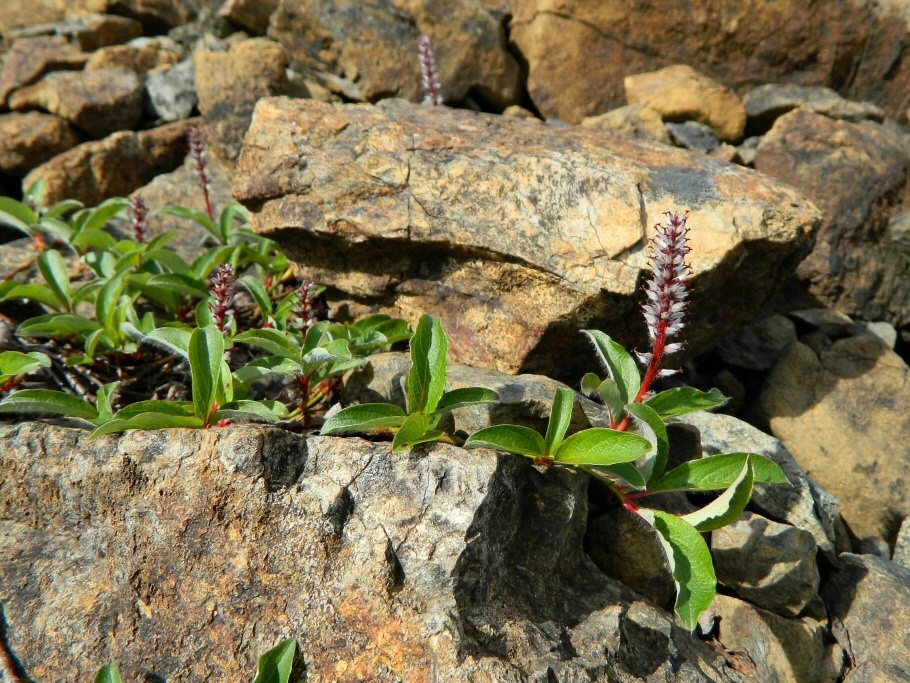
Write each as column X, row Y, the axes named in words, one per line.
column 698, row 137
column 442, row 564
column 250, row 15
column 783, row 650
column 849, row 170
column 89, row 31
column 902, row 544
column 766, row 103
column 635, row 120
column 229, row 84
column 30, row 139
column 374, row 45
column 579, row 52
column 769, row 564
column 140, row 59
column 31, row 58
column 518, row 235
column 114, row 166
column 871, row 597
column 758, row 344
column 99, row 102
column 17, row 13
column 804, row 504
column 172, row 92
column 844, row 414
column 680, row 93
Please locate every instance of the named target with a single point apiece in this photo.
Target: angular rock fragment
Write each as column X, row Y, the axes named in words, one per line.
column 519, row 235
column 250, row 15
column 28, row 140
column 112, row 167
column 437, row 564
column 140, row 59
column 758, row 344
column 31, row 58
column 766, row 103
column 89, row 31
column 636, row 120
column 18, row 13
column 680, row 93
column 769, row 564
column 99, row 102
column 172, row 92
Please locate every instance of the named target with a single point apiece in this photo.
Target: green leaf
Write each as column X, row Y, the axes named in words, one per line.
column 53, row 270
column 412, row 431
column 108, row 674
column 206, row 352
column 600, row 446
column 617, row 361
column 560, row 417
column 102, row 214
column 716, row 472
column 57, row 325
column 178, row 408
column 510, row 439
column 33, row 292
column 106, row 303
column 182, row 284
column 468, row 396
column 690, row 564
column 275, row 342
column 682, row 400
column 331, row 350
column 48, row 402
column 267, row 367
column 226, row 220
column 623, row 470
column 211, row 259
column 727, row 506
column 427, row 377
column 14, row 363
column 97, row 239
column 256, row 411
column 148, row 421
column 195, row 216
column 259, row 293
column 63, row 207
column 275, row 665
column 649, row 425
column 103, row 401
column 364, row 418
column 17, row 215
column 175, row 339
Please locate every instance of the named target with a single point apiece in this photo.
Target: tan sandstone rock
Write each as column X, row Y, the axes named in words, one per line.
column 139, row 59
column 31, row 58
column 99, row 102
column 636, row 120
column 578, row 53
column 517, row 234
column 680, row 93
column 112, row 167
column 28, row 140
column 844, row 415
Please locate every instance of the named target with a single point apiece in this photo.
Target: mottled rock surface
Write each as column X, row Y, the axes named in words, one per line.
column 140, row 59
column 28, row 140
column 515, row 233
column 228, row 85
column 100, row 102
column 250, row 15
column 31, row 58
column 871, row 598
column 769, row 564
column 374, row 45
column 766, row 103
column 680, row 93
column 151, row 548
column 759, row 343
column 783, row 650
column 635, row 120
column 849, row 170
column 114, row 166
column 578, row 53
column 844, row 414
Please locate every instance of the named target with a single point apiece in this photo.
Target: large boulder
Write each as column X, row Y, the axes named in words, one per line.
column 190, row 553
column 850, row 171
column 517, row 234
column 578, row 53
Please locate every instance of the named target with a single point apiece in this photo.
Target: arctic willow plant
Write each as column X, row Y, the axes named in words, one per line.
column 631, row 456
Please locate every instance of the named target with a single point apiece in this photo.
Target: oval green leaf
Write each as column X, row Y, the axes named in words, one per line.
column 600, row 446
column 717, row 472
column 275, row 666
column 560, row 417
column 616, row 360
column 510, row 439
column 364, row 418
column 727, row 506
column 682, row 400
column 427, row 377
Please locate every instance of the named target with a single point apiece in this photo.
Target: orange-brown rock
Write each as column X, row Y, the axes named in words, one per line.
column 28, row 140
column 99, row 102
column 516, row 233
column 229, row 84
column 250, row 15
column 635, row 120
column 680, row 93
column 141, row 60
column 18, row 13
column 31, row 58
column 578, row 53
column 114, row 166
